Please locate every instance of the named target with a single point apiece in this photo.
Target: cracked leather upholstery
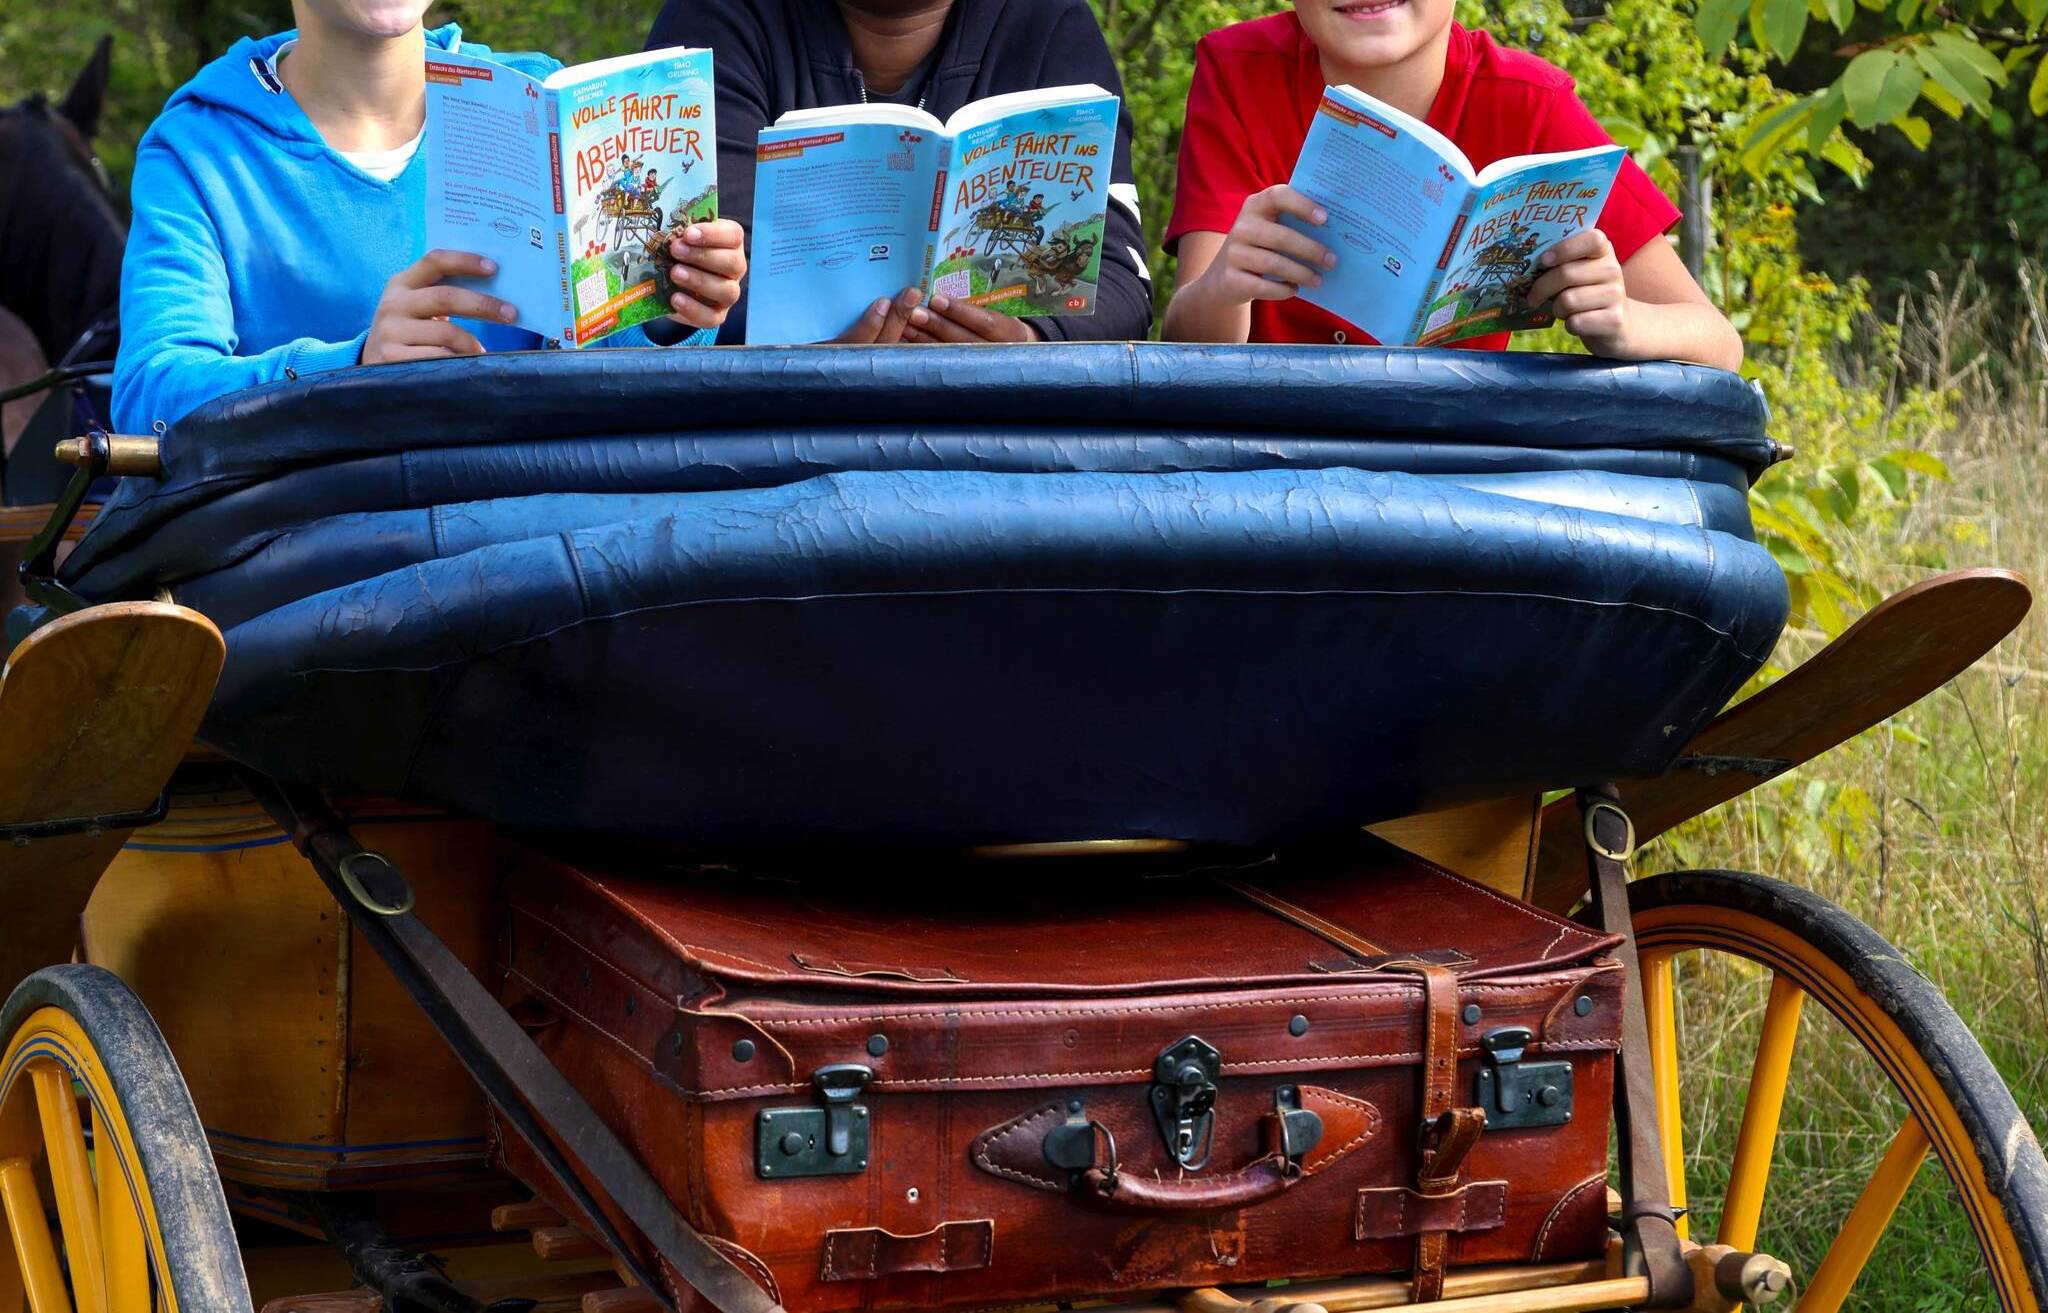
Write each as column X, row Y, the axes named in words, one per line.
column 959, row 595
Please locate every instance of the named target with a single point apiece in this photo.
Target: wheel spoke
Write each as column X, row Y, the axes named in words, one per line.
column 127, row 1250
column 1867, row 1220
column 1658, row 1008
column 33, row 1248
column 78, row 1205
column 1758, row 1138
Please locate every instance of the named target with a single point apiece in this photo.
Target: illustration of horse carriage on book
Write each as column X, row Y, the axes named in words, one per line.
column 629, row 214
column 849, row 850
column 1057, row 265
column 1005, row 228
column 1506, row 267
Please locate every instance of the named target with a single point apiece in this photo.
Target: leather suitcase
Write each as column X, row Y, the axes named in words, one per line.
column 1050, row 1080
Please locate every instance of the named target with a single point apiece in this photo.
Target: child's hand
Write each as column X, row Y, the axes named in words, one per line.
column 1262, row 259
column 952, row 320
column 411, row 320
column 883, row 323
column 1584, row 288
column 711, row 259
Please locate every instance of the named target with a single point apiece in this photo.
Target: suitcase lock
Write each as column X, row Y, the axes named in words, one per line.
column 1184, row 1099
column 827, row 1141
column 1518, row 1094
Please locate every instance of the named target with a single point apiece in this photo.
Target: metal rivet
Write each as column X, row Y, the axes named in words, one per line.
column 877, row 1045
column 1471, row 1014
column 910, row 1195
column 1548, row 1096
column 1075, row 1105
column 1583, row 1005
column 860, row 1112
column 1297, row 1026
column 632, row 1005
column 792, row 1144
column 742, row 1050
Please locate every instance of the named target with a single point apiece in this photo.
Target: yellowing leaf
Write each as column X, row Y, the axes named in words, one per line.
column 1916, row 130
column 2037, row 94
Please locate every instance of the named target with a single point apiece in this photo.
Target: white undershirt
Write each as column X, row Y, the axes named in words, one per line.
column 384, row 165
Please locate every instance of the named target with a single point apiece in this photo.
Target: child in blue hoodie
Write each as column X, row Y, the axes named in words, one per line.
column 280, row 213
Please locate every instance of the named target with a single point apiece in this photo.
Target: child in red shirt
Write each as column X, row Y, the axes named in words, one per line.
column 1617, row 286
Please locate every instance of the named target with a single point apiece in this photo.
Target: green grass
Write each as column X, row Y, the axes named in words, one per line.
column 1933, row 829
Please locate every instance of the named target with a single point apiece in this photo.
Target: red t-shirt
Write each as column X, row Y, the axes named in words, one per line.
column 1255, row 93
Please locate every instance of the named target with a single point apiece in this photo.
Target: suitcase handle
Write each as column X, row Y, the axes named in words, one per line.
column 1240, row 1189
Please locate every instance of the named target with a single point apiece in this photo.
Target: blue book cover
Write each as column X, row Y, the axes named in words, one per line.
column 1428, row 249
column 571, row 183
column 1001, row 206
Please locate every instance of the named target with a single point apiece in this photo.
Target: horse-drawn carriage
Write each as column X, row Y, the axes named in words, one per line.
column 847, row 850
column 1004, row 228
column 629, row 214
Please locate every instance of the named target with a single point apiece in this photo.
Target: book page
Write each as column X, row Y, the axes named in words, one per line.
column 1516, row 216
column 639, row 161
column 842, row 216
column 1026, row 192
column 488, row 190
column 1392, row 198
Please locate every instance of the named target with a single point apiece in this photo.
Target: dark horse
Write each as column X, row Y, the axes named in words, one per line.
column 61, row 234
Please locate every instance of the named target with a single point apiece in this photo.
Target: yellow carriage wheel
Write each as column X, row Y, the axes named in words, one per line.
column 107, row 1188
column 1812, row 965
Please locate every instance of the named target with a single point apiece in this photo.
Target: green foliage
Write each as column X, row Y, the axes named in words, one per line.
column 1897, row 56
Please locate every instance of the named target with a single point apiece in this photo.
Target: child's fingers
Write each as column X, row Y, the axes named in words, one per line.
column 1279, row 237
column 1593, row 325
column 724, row 261
column 1272, row 264
column 1590, row 244
column 1578, row 273
column 714, row 233
column 442, row 301
column 719, row 293
column 695, row 313
column 898, row 317
column 1283, row 199
column 440, row 333
column 1269, row 289
column 977, row 324
column 435, row 265
column 1578, row 300
column 868, row 327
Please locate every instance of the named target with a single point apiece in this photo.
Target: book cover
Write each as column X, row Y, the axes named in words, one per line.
column 1428, row 249
column 571, row 182
column 1002, row 206
column 1026, row 199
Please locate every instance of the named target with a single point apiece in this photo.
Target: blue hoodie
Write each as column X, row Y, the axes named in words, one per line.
column 257, row 251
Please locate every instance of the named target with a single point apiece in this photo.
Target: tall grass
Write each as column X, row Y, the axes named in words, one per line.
column 1933, row 828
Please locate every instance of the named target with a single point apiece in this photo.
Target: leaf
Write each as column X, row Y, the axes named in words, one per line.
column 1976, row 56
column 1863, row 85
column 2037, row 94
column 1779, row 25
column 1840, row 12
column 1922, row 462
column 1936, row 95
column 1789, row 558
column 1893, row 473
column 1828, row 113
column 1955, row 75
column 1716, row 22
column 1900, row 89
column 1770, row 131
column 1916, row 130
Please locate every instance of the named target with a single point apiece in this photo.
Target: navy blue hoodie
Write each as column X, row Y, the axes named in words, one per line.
column 774, row 56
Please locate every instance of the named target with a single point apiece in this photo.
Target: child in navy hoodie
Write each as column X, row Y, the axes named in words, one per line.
column 280, row 214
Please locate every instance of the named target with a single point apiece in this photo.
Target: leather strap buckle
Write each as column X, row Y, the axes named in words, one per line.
column 1628, row 828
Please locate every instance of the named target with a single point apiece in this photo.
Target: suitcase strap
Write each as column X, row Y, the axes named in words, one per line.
column 1649, row 1232
column 1448, row 1131
column 532, row 1093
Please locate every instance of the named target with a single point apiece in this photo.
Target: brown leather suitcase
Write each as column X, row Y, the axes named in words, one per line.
column 1046, row 1080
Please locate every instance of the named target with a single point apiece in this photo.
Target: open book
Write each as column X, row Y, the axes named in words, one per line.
column 1428, row 250
column 571, row 183
column 1001, row 206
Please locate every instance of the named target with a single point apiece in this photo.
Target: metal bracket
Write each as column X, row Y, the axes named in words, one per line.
column 1184, row 1099
column 1520, row 1095
column 1300, row 1129
column 38, row 569
column 20, row 833
column 827, row 1141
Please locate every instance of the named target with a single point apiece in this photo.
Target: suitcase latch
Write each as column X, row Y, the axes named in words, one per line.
column 1184, row 1099
column 827, row 1141
column 1518, row 1094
